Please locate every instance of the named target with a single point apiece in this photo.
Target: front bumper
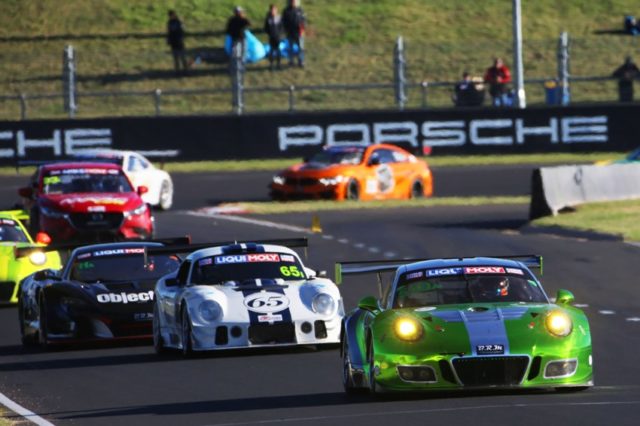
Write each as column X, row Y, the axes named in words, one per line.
column 449, row 372
column 81, row 230
column 310, row 191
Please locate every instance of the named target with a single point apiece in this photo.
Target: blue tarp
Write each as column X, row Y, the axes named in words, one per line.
column 256, row 50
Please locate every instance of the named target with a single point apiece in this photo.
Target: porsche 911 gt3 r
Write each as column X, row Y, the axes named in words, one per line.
column 464, row 323
column 245, row 295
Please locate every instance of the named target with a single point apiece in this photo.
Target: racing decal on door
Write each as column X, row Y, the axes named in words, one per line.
column 386, row 181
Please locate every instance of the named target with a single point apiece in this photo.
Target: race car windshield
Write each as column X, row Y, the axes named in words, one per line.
column 241, row 267
column 461, row 289
column 73, row 181
column 10, row 231
column 101, row 268
column 337, row 157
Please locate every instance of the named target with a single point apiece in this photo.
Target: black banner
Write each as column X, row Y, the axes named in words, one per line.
column 450, row 131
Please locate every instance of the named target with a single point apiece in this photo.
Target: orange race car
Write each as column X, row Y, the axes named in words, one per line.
column 375, row 172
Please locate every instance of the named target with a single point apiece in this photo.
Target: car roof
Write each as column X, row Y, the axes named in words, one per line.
column 463, row 261
column 79, row 165
column 219, row 250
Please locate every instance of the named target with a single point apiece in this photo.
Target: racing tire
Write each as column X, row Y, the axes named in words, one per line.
column 165, row 199
column 187, row 343
column 417, row 190
column 27, row 341
column 43, row 327
column 373, row 387
column 353, row 190
column 158, row 343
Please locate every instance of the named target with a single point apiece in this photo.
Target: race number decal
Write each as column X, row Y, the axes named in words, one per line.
column 385, row 178
column 266, row 302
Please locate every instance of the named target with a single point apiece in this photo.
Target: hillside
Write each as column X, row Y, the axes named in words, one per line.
column 120, row 46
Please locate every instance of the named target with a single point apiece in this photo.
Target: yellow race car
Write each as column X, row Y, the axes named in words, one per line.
column 14, row 266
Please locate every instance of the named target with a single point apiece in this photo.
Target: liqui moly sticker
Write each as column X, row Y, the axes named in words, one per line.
column 444, row 271
column 484, row 270
column 247, row 258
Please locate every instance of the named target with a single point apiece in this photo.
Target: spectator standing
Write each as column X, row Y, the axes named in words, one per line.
column 294, row 22
column 498, row 76
column 175, row 39
column 236, row 26
column 468, row 91
column 273, row 28
column 626, row 73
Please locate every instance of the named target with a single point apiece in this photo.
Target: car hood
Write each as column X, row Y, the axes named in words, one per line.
column 92, row 202
column 317, row 169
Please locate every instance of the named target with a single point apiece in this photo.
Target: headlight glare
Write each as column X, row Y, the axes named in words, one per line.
column 558, row 323
column 137, row 211
column 278, row 180
column 210, row 310
column 38, row 258
column 323, row 304
column 408, row 329
column 332, row 180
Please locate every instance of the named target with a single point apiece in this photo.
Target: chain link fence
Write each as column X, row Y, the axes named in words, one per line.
column 101, row 80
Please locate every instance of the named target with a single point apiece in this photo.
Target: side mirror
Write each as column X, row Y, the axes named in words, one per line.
column 45, row 274
column 321, row 274
column 564, row 297
column 368, row 303
column 25, row 192
column 374, row 161
column 142, row 190
column 171, row 282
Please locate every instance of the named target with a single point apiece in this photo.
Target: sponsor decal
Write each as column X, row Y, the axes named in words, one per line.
column 484, row 270
column 269, row 318
column 287, row 258
column 414, row 275
column 386, row 182
column 116, row 201
column 116, row 252
column 515, row 271
column 7, row 222
column 125, row 298
column 495, row 349
column 63, row 142
column 247, row 258
column 96, row 209
column 266, row 302
column 444, row 271
column 204, row 262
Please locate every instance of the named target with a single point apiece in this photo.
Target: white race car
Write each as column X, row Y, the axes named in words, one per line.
column 245, row 296
column 141, row 172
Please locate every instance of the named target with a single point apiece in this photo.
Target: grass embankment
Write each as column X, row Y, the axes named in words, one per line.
column 347, row 42
column 616, row 218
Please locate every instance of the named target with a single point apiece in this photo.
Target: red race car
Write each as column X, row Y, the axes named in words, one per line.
column 86, row 202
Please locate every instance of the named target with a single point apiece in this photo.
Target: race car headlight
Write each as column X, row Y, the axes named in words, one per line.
column 331, row 181
column 52, row 213
column 558, row 323
column 38, row 258
column 323, row 304
column 136, row 212
column 209, row 310
column 408, row 329
column 278, row 180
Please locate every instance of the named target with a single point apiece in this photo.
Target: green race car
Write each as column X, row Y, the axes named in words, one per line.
column 468, row 323
column 13, row 265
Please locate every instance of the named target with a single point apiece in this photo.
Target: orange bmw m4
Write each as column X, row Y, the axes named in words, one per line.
column 375, row 172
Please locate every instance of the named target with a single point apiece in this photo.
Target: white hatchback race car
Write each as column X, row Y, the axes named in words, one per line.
column 245, row 296
column 141, row 172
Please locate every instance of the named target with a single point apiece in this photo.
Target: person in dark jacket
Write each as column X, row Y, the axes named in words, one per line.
column 294, row 21
column 236, row 25
column 273, row 28
column 175, row 39
column 626, row 73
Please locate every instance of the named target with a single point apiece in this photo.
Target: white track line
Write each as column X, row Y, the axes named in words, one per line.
column 606, row 312
column 250, row 221
column 20, row 410
column 298, row 420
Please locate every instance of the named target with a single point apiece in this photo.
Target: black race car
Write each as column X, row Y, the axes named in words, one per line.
column 104, row 291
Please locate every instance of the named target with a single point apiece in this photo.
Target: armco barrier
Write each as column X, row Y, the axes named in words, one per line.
column 448, row 131
column 555, row 188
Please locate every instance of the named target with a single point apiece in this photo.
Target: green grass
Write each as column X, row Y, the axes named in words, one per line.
column 347, row 42
column 316, row 206
column 617, row 218
column 4, row 421
column 436, row 161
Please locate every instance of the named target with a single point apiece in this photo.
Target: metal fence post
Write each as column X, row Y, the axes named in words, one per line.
column 69, row 81
column 423, row 86
column 237, row 79
column 23, row 106
column 292, row 98
column 563, row 68
column 157, row 98
column 399, row 79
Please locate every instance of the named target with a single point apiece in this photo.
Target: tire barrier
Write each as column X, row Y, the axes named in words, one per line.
column 556, row 188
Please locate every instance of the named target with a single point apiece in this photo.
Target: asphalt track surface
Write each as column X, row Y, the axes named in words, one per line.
column 130, row 385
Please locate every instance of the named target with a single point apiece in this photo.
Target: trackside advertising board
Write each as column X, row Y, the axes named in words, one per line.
column 452, row 131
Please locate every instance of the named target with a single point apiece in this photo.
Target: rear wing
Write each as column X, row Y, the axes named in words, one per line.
column 188, row 248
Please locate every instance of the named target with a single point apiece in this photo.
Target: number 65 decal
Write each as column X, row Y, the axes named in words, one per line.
column 266, row 302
